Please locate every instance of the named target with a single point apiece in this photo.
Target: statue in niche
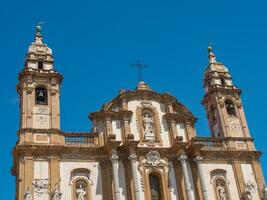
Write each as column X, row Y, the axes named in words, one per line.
column 221, row 192
column 28, row 195
column 80, row 193
column 148, row 126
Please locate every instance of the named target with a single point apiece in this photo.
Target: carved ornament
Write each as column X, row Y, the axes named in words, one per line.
column 153, row 158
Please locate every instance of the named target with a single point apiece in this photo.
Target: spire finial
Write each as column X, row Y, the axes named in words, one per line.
column 211, row 55
column 38, row 35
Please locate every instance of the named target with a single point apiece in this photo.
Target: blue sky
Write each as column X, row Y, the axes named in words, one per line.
column 95, row 42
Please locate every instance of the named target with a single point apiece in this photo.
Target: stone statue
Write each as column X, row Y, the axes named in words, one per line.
column 249, row 189
column 221, row 192
column 56, row 195
column 80, row 193
column 28, row 195
column 148, row 127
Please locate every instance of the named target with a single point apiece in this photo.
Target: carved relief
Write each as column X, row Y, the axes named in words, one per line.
column 40, row 187
column 56, row 194
column 28, row 195
column 234, row 125
column 153, row 158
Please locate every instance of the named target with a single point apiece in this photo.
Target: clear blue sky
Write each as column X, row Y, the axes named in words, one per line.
column 95, row 42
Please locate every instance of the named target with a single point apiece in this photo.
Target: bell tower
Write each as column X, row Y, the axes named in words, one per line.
column 39, row 88
column 222, row 101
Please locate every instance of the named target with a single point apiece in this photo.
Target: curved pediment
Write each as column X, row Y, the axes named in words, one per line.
column 166, row 99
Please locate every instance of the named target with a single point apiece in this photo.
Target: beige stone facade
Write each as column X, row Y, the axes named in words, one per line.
column 143, row 144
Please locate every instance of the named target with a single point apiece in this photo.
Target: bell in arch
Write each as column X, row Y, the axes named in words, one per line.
column 40, row 96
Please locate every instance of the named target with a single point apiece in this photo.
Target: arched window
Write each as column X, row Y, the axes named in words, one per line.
column 40, row 96
column 155, row 187
column 40, row 65
column 230, row 107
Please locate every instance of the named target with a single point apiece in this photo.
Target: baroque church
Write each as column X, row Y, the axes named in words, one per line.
column 143, row 144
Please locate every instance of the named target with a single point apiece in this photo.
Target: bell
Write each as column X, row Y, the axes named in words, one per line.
column 40, row 95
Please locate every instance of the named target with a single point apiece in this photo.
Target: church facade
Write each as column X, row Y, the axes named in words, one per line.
column 143, row 144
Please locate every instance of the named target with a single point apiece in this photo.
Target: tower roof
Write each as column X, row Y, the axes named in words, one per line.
column 214, row 65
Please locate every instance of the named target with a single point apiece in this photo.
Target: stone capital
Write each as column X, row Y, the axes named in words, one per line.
column 198, row 158
column 182, row 158
column 114, row 156
column 132, row 157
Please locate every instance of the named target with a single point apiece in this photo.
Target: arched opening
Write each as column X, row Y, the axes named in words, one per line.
column 230, row 107
column 81, row 184
column 155, row 187
column 40, row 65
column 40, row 96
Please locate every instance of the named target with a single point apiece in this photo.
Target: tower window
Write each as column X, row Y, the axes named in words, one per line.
column 40, row 96
column 155, row 190
column 230, row 107
column 222, row 80
column 40, row 65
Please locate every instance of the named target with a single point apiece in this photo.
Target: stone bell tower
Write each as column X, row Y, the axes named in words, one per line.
column 222, row 101
column 39, row 89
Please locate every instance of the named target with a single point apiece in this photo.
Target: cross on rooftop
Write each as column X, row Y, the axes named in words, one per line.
column 139, row 66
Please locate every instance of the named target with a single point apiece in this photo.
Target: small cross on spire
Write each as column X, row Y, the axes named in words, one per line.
column 139, row 66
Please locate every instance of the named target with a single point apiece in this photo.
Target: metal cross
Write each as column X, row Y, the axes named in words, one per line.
column 139, row 66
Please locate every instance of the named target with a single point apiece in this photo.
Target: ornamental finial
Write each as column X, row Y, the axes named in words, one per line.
column 38, row 35
column 211, row 55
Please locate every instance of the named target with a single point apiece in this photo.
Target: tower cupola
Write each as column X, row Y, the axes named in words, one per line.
column 216, row 74
column 39, row 55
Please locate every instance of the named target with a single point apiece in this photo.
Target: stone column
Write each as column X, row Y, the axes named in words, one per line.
column 188, row 186
column 115, row 169
column 136, row 180
column 198, row 160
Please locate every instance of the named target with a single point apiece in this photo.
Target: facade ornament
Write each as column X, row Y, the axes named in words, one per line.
column 146, row 104
column 221, row 193
column 40, row 187
column 56, row 194
column 249, row 190
column 80, row 193
column 153, row 158
column 28, row 195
